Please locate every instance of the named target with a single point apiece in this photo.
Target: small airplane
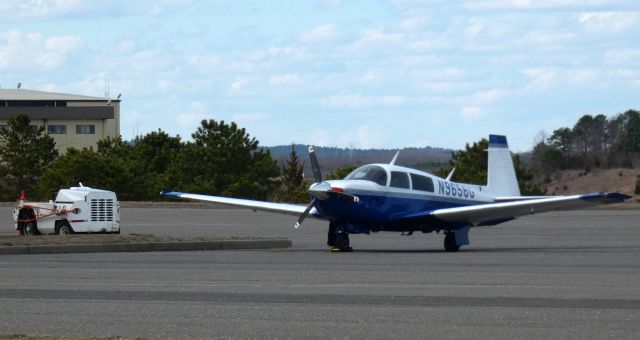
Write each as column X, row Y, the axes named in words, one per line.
column 388, row 197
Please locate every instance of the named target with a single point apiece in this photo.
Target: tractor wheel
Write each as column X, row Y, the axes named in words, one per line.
column 29, row 229
column 65, row 228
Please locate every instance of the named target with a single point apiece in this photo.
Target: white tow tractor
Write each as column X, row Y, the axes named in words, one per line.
column 74, row 210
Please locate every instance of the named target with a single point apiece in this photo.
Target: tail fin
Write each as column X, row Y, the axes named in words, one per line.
column 501, row 176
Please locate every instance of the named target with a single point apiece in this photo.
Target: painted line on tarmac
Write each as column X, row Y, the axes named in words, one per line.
column 312, row 285
column 322, row 299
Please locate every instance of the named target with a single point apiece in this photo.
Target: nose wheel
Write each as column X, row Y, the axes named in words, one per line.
column 338, row 238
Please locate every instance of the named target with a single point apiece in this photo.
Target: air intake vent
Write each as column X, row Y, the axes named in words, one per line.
column 101, row 210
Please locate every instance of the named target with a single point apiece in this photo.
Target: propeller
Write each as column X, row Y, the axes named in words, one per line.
column 321, row 190
column 317, row 175
column 315, row 166
column 305, row 213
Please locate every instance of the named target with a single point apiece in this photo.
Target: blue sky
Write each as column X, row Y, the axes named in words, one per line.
column 335, row 73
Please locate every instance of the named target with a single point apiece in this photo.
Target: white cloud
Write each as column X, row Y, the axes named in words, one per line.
column 290, row 52
column 285, row 80
column 239, row 84
column 346, row 100
column 370, row 77
column 609, row 22
column 319, row 34
column 192, row 117
column 17, row 10
column 93, row 84
column 540, row 77
column 471, row 113
column 412, row 24
column 362, row 137
column 393, row 100
column 376, row 38
column 486, row 97
column 330, row 4
column 368, row 137
column 358, row 101
column 24, row 51
column 623, row 56
column 546, row 38
column 322, row 138
column 440, row 73
column 531, row 4
column 201, row 60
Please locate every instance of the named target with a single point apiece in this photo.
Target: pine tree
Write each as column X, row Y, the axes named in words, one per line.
column 293, row 186
column 292, row 170
column 25, row 152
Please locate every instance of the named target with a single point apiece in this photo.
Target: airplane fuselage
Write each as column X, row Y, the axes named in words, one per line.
column 389, row 196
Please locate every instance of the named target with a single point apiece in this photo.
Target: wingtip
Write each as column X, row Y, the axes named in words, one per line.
column 607, row 197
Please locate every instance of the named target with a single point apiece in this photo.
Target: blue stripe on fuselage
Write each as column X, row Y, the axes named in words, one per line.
column 382, row 208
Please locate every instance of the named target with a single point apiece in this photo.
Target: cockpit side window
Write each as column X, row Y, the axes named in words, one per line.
column 370, row 173
column 399, row 180
column 422, row 183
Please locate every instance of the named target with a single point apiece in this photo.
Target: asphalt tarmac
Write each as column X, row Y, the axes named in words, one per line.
column 557, row 275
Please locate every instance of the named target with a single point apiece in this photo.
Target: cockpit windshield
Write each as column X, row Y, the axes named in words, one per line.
column 372, row 173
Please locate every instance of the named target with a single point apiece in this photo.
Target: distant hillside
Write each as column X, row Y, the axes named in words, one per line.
column 580, row 182
column 331, row 158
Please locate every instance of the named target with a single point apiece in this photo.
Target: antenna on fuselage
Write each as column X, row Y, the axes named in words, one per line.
column 450, row 174
column 393, row 161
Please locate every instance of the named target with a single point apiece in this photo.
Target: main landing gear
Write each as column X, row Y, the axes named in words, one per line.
column 456, row 237
column 450, row 242
column 338, row 238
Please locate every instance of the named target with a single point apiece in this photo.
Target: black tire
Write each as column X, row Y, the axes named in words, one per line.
column 450, row 242
column 29, row 229
column 64, row 229
column 342, row 241
column 331, row 234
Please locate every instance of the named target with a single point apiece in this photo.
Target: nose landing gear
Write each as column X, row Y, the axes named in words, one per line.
column 338, row 238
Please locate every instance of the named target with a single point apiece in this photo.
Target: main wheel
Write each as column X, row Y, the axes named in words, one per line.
column 65, row 228
column 450, row 242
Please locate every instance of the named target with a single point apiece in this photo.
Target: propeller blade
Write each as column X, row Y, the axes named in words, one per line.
column 305, row 213
column 315, row 166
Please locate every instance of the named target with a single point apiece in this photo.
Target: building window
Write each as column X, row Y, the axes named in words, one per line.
column 57, row 129
column 85, row 129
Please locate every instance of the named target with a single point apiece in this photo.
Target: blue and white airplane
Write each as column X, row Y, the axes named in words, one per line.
column 388, row 197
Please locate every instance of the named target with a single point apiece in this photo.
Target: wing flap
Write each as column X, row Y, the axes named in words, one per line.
column 486, row 213
column 284, row 208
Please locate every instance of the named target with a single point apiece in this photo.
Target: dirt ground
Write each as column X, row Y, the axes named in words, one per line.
column 579, row 181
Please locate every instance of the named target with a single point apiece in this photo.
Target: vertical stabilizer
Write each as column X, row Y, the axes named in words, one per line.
column 501, row 176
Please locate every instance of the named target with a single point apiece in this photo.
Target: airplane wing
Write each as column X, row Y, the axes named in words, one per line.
column 493, row 213
column 285, row 208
